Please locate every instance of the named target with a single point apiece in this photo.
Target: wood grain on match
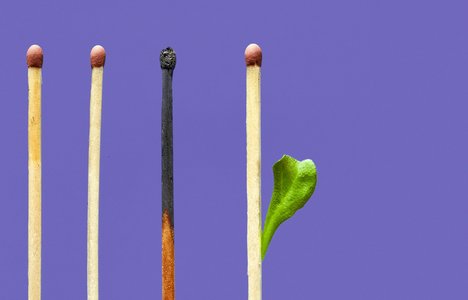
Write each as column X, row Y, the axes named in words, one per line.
column 34, row 59
column 253, row 59
column 98, row 56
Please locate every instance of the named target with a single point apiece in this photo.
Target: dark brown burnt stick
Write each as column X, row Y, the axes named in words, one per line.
column 168, row 62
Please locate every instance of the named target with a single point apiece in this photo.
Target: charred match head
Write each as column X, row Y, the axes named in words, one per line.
column 34, row 57
column 98, row 56
column 253, row 55
column 168, row 58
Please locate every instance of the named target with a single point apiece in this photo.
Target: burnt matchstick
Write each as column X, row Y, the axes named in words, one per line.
column 34, row 59
column 168, row 61
column 98, row 58
column 253, row 61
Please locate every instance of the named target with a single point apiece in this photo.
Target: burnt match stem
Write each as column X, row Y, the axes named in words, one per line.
column 168, row 62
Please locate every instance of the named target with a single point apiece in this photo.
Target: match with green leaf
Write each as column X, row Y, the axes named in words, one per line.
column 294, row 180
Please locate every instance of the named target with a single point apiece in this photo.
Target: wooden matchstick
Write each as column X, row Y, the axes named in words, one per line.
column 253, row 60
column 34, row 59
column 98, row 58
column 168, row 62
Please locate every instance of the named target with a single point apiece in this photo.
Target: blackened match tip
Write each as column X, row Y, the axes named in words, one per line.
column 34, row 56
column 168, row 58
column 253, row 55
column 98, row 56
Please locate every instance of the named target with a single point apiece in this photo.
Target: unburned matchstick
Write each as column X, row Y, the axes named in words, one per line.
column 253, row 60
column 168, row 62
column 98, row 57
column 34, row 59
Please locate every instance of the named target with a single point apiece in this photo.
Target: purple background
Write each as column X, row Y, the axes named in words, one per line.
column 375, row 92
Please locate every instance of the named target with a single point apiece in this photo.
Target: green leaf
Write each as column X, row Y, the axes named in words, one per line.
column 294, row 184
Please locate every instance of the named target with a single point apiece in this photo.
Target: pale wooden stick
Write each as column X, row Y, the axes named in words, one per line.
column 34, row 58
column 98, row 56
column 253, row 58
column 168, row 62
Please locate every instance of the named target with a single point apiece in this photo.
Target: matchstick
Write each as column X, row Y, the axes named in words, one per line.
column 168, row 61
column 34, row 59
column 98, row 58
column 253, row 60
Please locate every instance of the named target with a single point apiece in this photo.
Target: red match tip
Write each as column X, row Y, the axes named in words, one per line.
column 34, row 57
column 98, row 56
column 253, row 55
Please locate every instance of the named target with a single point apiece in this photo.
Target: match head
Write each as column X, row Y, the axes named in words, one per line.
column 168, row 58
column 253, row 55
column 98, row 56
column 34, row 57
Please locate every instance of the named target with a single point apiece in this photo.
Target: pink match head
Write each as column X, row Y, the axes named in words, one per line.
column 34, row 57
column 98, row 56
column 253, row 55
